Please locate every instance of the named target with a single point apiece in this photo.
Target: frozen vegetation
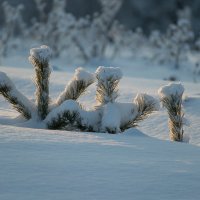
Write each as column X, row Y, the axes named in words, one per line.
column 130, row 131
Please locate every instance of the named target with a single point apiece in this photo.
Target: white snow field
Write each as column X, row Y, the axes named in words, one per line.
column 60, row 165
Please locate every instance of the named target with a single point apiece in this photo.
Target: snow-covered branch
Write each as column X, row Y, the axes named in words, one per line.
column 39, row 57
column 15, row 98
column 144, row 106
column 107, row 87
column 171, row 98
column 77, row 86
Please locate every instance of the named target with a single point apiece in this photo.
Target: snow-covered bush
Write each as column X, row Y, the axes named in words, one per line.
column 39, row 57
column 14, row 25
column 66, row 116
column 106, row 94
column 66, row 112
column 171, row 98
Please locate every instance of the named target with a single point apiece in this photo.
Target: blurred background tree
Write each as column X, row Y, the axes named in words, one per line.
column 150, row 15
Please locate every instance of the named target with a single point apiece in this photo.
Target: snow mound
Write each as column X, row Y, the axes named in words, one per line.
column 69, row 105
column 171, row 89
column 111, row 118
column 42, row 53
column 128, row 112
column 104, row 73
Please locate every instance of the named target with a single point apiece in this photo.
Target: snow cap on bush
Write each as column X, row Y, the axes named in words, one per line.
column 171, row 89
column 82, row 74
column 42, row 53
column 105, row 73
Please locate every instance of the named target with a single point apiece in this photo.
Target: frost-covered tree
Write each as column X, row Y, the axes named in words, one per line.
column 14, row 25
column 196, row 72
column 41, row 5
column 127, row 43
column 117, row 36
column 178, row 41
column 171, row 98
column 156, row 42
column 173, row 47
column 53, row 28
column 197, row 44
column 136, row 42
column 88, row 29
column 59, row 26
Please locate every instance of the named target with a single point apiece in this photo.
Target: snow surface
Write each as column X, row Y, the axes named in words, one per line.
column 41, row 164
column 138, row 164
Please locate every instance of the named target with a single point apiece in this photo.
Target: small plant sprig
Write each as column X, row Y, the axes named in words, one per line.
column 107, row 91
column 145, row 105
column 19, row 102
column 39, row 57
column 171, row 98
column 107, row 87
column 77, row 86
